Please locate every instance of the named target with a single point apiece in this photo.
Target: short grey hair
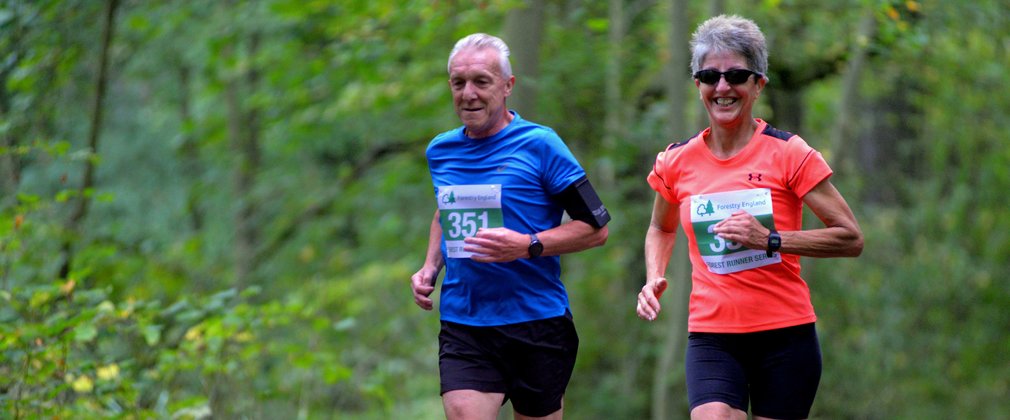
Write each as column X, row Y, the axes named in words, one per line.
column 481, row 41
column 730, row 34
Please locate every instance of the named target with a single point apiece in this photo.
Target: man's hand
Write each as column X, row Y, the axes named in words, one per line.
column 648, row 299
column 497, row 245
column 423, row 283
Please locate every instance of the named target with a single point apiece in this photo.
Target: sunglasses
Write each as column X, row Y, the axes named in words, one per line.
column 733, row 77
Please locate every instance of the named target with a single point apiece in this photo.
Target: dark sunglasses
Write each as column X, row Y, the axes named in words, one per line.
column 733, row 77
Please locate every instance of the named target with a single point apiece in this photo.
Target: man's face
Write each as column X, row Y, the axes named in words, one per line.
column 479, row 90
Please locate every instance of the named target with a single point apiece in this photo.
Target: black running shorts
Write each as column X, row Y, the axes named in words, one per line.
column 777, row 370
column 530, row 362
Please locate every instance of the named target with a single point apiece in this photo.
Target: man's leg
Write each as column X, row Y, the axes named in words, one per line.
column 542, row 358
column 557, row 415
column 467, row 404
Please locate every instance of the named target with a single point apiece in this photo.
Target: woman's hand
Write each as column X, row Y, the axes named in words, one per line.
column 743, row 228
column 648, row 299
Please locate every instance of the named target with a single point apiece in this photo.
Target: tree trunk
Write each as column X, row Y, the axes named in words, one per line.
column 243, row 139
column 674, row 327
column 10, row 170
column 524, row 28
column 786, row 103
column 83, row 199
column 715, row 8
column 612, row 93
column 845, row 127
column 189, row 152
column 677, row 69
column 10, row 165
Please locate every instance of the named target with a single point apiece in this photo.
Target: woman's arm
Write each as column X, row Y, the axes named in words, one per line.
column 659, row 242
column 840, row 236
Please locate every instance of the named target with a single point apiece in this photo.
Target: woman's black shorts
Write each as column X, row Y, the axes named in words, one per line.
column 778, row 370
column 530, row 362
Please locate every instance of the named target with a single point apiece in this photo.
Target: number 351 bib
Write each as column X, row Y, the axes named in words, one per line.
column 722, row 256
column 465, row 208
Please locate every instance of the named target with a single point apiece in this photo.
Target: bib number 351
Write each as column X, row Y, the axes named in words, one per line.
column 463, row 224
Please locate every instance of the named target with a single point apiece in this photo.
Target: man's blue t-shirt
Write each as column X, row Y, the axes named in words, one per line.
column 503, row 180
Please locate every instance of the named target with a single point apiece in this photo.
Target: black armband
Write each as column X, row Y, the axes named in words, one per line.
column 582, row 203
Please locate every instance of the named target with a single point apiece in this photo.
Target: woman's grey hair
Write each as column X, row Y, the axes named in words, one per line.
column 481, row 41
column 730, row 34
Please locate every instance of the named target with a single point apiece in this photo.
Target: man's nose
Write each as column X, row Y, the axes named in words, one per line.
column 469, row 90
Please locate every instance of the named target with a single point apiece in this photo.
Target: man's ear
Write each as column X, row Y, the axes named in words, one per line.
column 509, row 84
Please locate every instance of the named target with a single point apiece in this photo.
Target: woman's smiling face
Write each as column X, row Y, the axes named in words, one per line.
column 728, row 105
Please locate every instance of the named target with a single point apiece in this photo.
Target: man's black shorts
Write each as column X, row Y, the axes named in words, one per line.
column 530, row 362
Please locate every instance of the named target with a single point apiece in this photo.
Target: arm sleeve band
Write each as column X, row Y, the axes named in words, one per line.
column 581, row 202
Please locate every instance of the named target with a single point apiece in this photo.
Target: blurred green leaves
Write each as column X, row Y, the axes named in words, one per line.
column 148, row 324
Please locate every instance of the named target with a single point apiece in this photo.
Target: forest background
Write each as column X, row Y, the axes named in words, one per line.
column 213, row 208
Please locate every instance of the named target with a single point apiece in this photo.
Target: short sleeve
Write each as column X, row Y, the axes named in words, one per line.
column 662, row 177
column 561, row 168
column 807, row 167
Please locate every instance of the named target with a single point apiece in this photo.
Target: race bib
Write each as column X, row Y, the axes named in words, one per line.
column 465, row 208
column 722, row 256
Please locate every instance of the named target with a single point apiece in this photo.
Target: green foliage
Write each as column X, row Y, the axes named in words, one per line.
column 340, row 99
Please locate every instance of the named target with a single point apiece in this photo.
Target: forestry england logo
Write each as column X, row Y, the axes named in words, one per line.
column 705, row 209
column 449, row 198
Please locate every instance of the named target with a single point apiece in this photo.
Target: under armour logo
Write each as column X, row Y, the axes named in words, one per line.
column 751, row 177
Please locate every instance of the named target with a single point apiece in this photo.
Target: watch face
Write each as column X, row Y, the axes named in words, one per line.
column 535, row 249
column 774, row 243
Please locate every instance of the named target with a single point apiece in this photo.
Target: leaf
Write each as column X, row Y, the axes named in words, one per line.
column 108, row 372
column 68, row 287
column 336, row 373
column 83, row 384
column 85, row 333
column 344, row 324
column 152, row 334
column 39, row 298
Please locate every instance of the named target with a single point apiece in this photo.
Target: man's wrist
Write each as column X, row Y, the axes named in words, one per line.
column 536, row 247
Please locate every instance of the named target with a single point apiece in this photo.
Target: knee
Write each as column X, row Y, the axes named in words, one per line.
column 717, row 410
column 469, row 404
column 454, row 409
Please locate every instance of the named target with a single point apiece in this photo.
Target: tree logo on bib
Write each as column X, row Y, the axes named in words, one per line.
column 449, row 198
column 705, row 209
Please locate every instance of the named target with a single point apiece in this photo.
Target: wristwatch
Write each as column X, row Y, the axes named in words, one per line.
column 536, row 248
column 774, row 242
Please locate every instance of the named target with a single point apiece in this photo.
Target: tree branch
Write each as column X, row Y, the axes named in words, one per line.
column 83, row 201
column 322, row 207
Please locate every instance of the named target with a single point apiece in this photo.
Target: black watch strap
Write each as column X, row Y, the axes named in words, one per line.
column 774, row 242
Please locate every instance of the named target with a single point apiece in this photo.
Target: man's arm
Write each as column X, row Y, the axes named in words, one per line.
column 504, row 245
column 587, row 229
column 423, row 281
column 570, row 237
